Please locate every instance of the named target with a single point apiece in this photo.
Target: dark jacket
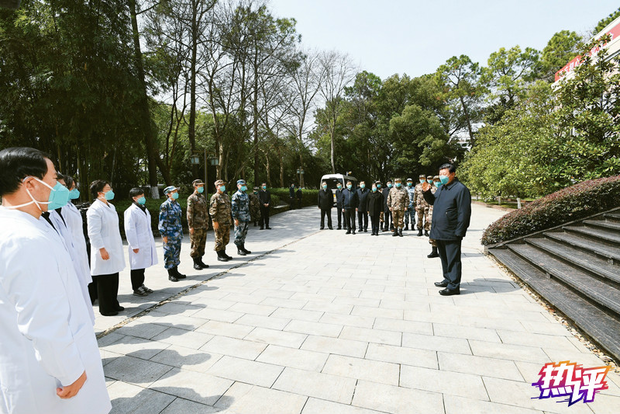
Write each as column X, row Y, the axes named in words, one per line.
column 451, row 211
column 349, row 199
column 375, row 203
column 264, row 196
column 339, row 198
column 326, row 199
column 362, row 195
column 291, row 192
column 385, row 192
column 299, row 194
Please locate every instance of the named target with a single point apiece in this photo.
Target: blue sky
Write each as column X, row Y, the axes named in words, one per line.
column 415, row 37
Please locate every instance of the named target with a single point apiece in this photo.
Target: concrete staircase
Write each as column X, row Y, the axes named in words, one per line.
column 576, row 268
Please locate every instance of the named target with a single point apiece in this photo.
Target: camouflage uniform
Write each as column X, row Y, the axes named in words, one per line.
column 219, row 209
column 421, row 207
column 170, row 214
column 241, row 212
column 429, row 217
column 398, row 200
column 254, row 208
column 197, row 218
column 410, row 213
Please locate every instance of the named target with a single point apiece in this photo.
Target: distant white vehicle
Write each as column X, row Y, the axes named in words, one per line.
column 332, row 181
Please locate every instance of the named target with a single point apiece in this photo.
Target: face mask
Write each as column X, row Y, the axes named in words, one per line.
column 109, row 195
column 444, row 179
column 324, row 187
column 141, row 201
column 363, row 186
column 409, row 184
column 74, row 194
column 264, row 187
column 397, row 185
column 374, row 189
column 244, row 188
column 389, row 185
column 200, row 190
column 349, row 186
column 59, row 196
column 222, row 188
column 422, row 181
column 175, row 195
column 378, row 185
column 339, row 187
column 429, row 181
column 438, row 184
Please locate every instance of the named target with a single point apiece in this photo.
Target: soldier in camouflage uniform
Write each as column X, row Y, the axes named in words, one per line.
column 198, row 223
column 398, row 200
column 219, row 210
column 170, row 227
column 421, row 207
column 410, row 213
column 254, row 206
column 436, row 183
column 241, row 214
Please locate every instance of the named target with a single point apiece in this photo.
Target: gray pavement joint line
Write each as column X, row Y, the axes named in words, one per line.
column 195, row 286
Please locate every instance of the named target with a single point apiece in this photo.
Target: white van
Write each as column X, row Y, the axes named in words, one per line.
column 333, row 179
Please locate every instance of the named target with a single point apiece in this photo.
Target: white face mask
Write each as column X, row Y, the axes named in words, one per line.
column 38, row 203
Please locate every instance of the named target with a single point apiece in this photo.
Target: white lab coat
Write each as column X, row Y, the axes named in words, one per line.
column 140, row 236
column 103, row 232
column 83, row 273
column 47, row 338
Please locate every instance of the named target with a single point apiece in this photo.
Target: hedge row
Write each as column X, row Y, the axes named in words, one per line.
column 572, row 203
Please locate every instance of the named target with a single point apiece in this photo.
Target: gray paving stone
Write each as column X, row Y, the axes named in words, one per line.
column 141, row 330
column 181, row 337
column 129, row 398
column 466, row 332
column 332, row 308
column 263, row 321
column 233, row 330
column 136, row 347
column 253, row 309
column 194, row 386
column 371, row 335
column 400, row 355
column 446, row 382
column 259, row 400
column 316, row 406
column 314, row 384
column 218, row 315
column 398, row 325
column 284, row 303
column 335, row 346
column 461, row 405
column 135, row 370
column 348, row 320
column 482, row 366
column 363, row 369
column 295, row 358
column 436, row 343
column 391, row 399
column 275, row 337
column 314, row 328
column 234, row 347
column 251, row 372
column 183, row 406
column 507, row 351
column 186, row 358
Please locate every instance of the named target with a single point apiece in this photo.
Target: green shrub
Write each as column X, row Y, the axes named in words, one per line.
column 308, row 197
column 572, row 203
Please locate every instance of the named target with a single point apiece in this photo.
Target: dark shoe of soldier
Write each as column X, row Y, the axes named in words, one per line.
column 221, row 257
column 119, row 308
column 177, row 274
column 448, row 292
column 171, row 276
column 268, row 228
column 443, row 283
column 348, row 232
column 395, row 233
column 246, row 251
column 419, row 232
column 433, row 253
column 426, row 233
column 203, row 264
column 113, row 313
column 331, row 228
column 225, row 255
column 240, row 251
column 197, row 264
column 407, row 226
column 400, row 232
column 261, row 228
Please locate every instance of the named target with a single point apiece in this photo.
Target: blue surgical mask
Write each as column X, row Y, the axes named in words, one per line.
column 222, row 188
column 141, row 201
column 378, row 185
column 349, row 186
column 429, row 181
column 422, row 181
column 324, row 187
column 397, row 185
column 74, row 194
column 109, row 195
column 244, row 188
column 339, row 187
column 444, row 179
column 389, row 185
column 59, row 196
column 438, row 184
column 200, row 190
column 374, row 189
column 175, row 195
column 264, row 187
column 409, row 184
column 363, row 186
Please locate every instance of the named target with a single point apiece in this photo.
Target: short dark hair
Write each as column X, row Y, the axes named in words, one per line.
column 69, row 181
column 97, row 186
column 448, row 166
column 17, row 163
column 136, row 191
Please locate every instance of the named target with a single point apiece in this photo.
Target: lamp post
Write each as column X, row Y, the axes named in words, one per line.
column 300, row 172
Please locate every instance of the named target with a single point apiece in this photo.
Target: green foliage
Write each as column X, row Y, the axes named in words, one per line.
column 561, row 49
column 604, row 22
column 572, row 203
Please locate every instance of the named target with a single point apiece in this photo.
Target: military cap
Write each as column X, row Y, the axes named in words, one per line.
column 169, row 189
column 397, row 180
column 422, row 176
column 219, row 182
column 197, row 182
column 409, row 179
column 256, row 188
column 436, row 178
column 241, row 182
column 430, row 177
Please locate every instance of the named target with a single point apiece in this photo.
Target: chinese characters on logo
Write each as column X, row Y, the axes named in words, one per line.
column 566, row 379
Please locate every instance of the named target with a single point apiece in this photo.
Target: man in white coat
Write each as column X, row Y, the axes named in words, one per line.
column 49, row 359
column 142, row 252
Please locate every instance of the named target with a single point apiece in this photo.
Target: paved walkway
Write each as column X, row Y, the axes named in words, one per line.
column 323, row 322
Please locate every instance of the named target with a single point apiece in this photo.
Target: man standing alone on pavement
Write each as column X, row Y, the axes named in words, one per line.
column 265, row 202
column 362, row 212
column 398, row 200
column 219, row 210
column 451, row 215
column 326, row 200
column 241, row 214
column 198, row 223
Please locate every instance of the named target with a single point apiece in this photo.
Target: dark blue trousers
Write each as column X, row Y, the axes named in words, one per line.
column 450, row 255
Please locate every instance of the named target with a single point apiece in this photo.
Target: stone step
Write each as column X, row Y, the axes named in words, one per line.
column 581, row 282
column 610, row 225
column 596, row 233
column 598, row 324
column 580, row 259
column 608, row 251
column 612, row 216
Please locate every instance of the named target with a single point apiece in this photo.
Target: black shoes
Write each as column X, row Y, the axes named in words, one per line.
column 348, row 232
column 242, row 251
column 426, row 233
column 400, row 232
column 172, row 276
column 433, row 253
column 395, row 233
column 443, row 284
column 177, row 274
column 419, row 232
column 448, row 292
column 222, row 257
column 268, row 228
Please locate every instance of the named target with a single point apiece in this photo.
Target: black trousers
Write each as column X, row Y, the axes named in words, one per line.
column 327, row 213
column 340, row 213
column 362, row 218
column 137, row 278
column 375, row 221
column 387, row 215
column 264, row 216
column 107, row 290
column 349, row 219
column 450, row 255
column 291, row 203
column 92, row 291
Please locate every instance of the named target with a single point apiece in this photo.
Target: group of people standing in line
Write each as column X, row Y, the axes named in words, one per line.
column 390, row 208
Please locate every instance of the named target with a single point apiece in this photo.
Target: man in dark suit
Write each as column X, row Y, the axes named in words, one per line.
column 291, row 197
column 350, row 203
column 265, row 201
column 339, row 205
column 362, row 212
column 451, row 216
column 326, row 201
